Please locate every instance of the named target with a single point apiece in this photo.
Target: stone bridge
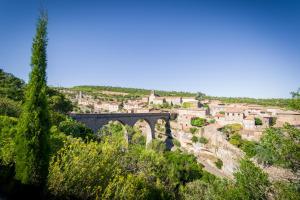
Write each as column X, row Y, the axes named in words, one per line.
column 97, row 121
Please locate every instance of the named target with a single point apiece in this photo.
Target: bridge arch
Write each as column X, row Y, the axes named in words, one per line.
column 146, row 128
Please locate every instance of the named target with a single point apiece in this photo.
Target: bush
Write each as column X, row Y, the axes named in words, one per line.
column 258, row 121
column 7, row 143
column 236, row 140
column 157, row 145
column 219, row 163
column 230, row 129
column 197, row 121
column 195, row 139
column 212, row 121
column 9, row 107
column 193, row 130
column 176, row 142
column 203, row 140
column 76, row 129
column 249, row 147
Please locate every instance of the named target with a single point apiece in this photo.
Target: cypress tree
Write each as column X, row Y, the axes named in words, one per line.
column 32, row 140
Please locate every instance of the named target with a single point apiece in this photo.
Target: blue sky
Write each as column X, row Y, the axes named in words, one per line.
column 222, row 48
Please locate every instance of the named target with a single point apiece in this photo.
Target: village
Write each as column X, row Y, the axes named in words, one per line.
column 206, row 141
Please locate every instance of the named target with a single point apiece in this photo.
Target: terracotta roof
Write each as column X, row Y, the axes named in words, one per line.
column 219, row 115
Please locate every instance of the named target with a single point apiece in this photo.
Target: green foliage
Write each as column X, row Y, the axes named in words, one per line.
column 219, row 163
column 280, row 146
column 236, row 140
column 135, row 136
column 10, row 107
column 251, row 181
column 11, row 87
column 195, row 139
column 273, row 121
column 285, row 191
column 294, row 103
column 184, row 167
column 7, row 144
column 176, row 142
column 132, row 91
column 58, row 102
column 200, row 96
column 212, row 121
column 231, row 129
column 32, row 140
column 157, row 145
column 203, row 140
column 249, row 147
column 258, row 121
column 197, row 121
column 187, row 105
column 110, row 169
column 76, row 129
column 284, row 103
column 193, row 130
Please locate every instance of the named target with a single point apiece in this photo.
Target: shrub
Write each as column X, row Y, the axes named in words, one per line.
column 212, row 121
column 187, row 105
column 219, row 163
column 193, row 130
column 76, row 129
column 236, row 140
column 258, row 121
column 195, row 139
column 249, row 147
column 197, row 121
column 203, row 140
column 176, row 142
column 157, row 145
column 7, row 144
column 9, row 107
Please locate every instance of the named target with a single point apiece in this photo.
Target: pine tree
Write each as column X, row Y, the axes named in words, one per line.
column 32, row 140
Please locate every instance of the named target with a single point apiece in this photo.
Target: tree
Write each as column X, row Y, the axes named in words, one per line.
column 32, row 140
column 295, row 101
column 251, row 181
column 197, row 121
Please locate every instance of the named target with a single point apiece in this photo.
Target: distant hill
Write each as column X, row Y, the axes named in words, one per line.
column 131, row 91
column 10, row 86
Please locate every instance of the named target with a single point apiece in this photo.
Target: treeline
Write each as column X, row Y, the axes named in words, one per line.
column 293, row 103
column 132, row 91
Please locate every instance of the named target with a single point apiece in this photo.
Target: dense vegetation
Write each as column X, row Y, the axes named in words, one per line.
column 293, row 103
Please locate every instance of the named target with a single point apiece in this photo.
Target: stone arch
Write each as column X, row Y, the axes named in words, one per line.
column 147, row 131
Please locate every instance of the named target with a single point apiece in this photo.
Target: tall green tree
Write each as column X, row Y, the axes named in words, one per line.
column 32, row 141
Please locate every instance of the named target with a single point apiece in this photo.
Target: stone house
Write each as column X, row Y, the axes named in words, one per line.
column 106, row 107
column 156, row 100
column 185, row 115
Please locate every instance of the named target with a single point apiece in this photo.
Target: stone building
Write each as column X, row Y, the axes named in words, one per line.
column 157, row 100
column 185, row 115
column 106, row 107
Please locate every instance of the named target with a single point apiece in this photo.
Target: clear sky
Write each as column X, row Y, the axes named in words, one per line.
column 219, row 47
